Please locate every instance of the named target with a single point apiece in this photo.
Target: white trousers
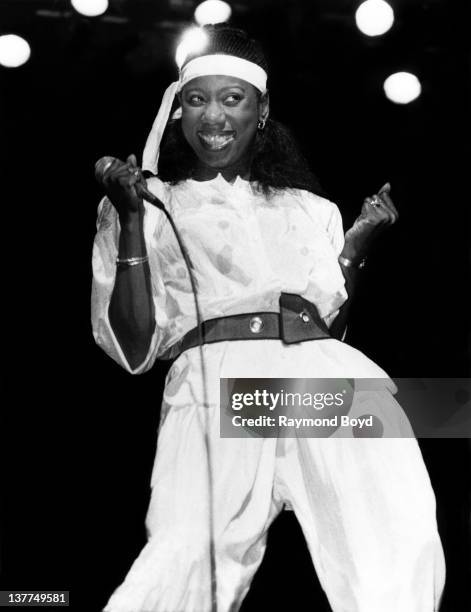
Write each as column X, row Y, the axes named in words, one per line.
column 366, row 508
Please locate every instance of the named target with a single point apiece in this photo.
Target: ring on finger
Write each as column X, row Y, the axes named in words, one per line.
column 375, row 201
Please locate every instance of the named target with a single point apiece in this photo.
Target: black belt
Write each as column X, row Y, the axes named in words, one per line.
column 297, row 321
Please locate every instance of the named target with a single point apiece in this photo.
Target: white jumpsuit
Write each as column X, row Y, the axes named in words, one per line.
column 366, row 506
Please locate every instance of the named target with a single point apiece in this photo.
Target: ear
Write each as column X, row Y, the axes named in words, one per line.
column 264, row 106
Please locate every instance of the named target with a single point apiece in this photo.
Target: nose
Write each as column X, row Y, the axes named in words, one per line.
column 213, row 113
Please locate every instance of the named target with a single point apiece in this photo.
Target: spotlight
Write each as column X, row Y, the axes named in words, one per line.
column 90, row 8
column 193, row 40
column 402, row 87
column 14, row 51
column 212, row 11
column 374, row 17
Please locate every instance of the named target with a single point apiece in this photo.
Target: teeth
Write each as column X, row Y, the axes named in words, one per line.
column 216, row 141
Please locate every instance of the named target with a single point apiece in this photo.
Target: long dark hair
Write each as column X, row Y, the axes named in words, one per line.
column 277, row 162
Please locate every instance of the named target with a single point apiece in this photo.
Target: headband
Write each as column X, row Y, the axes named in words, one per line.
column 204, row 65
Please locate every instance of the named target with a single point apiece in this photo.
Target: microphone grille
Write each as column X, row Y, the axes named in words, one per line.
column 101, row 165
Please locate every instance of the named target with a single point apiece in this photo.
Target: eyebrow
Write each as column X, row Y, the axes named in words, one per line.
column 226, row 87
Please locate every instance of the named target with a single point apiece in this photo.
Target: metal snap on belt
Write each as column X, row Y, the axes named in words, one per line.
column 304, row 316
column 256, row 325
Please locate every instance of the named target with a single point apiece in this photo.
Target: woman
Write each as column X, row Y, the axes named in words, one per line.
column 261, row 241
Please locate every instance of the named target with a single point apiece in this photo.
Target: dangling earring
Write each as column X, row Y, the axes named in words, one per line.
column 261, row 124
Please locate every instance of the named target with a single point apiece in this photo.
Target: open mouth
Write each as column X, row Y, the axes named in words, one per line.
column 215, row 142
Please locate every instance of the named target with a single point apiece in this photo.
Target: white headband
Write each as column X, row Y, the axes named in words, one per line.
column 200, row 66
column 224, row 64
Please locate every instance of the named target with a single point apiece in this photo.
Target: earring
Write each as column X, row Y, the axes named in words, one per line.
column 261, row 124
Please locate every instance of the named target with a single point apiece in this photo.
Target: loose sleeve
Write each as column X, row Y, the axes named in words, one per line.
column 328, row 242
column 105, row 251
column 337, row 238
column 335, row 228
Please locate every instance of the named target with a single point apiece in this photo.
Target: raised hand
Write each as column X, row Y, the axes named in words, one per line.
column 377, row 213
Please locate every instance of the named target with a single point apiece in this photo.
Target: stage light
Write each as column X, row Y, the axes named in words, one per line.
column 374, row 17
column 90, row 8
column 402, row 87
column 193, row 40
column 212, row 11
column 14, row 51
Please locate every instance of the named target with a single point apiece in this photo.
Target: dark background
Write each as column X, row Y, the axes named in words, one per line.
column 79, row 434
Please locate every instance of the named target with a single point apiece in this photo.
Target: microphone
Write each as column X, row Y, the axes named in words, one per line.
column 141, row 188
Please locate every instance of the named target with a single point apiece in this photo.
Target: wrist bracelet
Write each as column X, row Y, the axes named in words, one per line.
column 348, row 263
column 132, row 261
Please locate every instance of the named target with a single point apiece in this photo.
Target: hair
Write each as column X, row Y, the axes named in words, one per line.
column 277, row 162
column 225, row 39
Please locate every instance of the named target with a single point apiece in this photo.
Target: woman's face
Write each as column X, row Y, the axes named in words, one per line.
column 219, row 118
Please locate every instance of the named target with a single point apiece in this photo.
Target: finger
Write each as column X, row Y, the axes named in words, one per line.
column 368, row 213
column 127, row 181
column 386, row 198
column 135, row 174
column 378, row 212
column 132, row 160
column 116, row 176
column 123, row 168
column 375, row 205
column 120, row 175
column 373, row 211
column 132, row 167
column 365, row 209
column 388, row 208
column 384, row 194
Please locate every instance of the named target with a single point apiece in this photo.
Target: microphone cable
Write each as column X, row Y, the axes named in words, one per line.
column 199, row 321
column 100, row 168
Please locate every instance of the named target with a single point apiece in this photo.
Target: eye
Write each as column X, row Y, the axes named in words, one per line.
column 233, row 99
column 195, row 100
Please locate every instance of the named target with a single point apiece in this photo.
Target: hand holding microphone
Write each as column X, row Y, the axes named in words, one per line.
column 124, row 185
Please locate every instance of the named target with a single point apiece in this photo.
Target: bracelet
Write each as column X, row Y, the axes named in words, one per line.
column 132, row 261
column 348, row 263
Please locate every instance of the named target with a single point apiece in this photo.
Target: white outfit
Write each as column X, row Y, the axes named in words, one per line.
column 366, row 506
